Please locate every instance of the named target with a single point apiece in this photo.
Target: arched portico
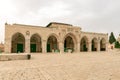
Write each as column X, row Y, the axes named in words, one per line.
column 18, row 43
column 102, row 44
column 52, row 44
column 84, row 44
column 35, row 43
column 70, row 42
column 60, row 36
column 94, row 46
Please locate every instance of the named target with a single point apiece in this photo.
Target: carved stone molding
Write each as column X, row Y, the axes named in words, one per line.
column 27, row 33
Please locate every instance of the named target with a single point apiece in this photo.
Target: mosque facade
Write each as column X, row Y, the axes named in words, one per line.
column 53, row 38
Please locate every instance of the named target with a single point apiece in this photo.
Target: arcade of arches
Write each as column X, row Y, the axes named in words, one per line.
column 52, row 44
column 55, row 37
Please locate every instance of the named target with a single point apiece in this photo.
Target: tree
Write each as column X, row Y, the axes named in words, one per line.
column 117, row 44
column 112, row 38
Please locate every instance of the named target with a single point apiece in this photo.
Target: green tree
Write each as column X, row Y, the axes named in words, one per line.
column 117, row 44
column 112, row 38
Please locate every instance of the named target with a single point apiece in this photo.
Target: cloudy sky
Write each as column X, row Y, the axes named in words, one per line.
column 90, row 15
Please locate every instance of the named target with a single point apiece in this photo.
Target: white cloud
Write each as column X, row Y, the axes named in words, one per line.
column 58, row 9
column 90, row 15
column 6, row 8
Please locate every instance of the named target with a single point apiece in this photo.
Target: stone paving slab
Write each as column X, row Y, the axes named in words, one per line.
column 78, row 66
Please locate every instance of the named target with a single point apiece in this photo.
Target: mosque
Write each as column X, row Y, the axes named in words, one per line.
column 53, row 38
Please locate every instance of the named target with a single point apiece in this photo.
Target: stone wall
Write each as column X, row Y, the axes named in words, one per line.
column 8, row 57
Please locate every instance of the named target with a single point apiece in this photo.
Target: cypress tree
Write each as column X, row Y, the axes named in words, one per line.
column 112, row 38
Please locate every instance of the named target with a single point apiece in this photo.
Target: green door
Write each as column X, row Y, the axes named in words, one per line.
column 48, row 47
column 33, row 47
column 84, row 48
column 19, row 48
column 93, row 47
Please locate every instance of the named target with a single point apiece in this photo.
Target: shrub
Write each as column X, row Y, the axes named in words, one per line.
column 117, row 44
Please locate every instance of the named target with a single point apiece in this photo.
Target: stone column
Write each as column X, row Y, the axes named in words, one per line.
column 38, row 46
column 44, row 46
column 89, row 46
column 27, row 42
column 78, row 47
column 98, row 46
column 107, row 45
column 61, row 47
column 27, row 45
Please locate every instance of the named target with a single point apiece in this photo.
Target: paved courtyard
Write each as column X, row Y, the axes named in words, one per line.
column 75, row 66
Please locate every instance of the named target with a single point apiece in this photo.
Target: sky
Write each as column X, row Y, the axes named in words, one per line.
column 102, row 16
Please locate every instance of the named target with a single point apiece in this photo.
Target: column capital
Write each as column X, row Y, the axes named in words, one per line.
column 44, row 40
column 78, row 41
column 27, row 39
column 60, row 41
column 89, row 42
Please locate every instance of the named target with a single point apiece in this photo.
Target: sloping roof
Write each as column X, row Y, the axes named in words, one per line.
column 58, row 23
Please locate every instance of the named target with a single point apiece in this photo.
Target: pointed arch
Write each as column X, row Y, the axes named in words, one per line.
column 70, row 42
column 94, row 46
column 35, row 43
column 84, row 44
column 18, row 43
column 103, row 44
column 52, row 43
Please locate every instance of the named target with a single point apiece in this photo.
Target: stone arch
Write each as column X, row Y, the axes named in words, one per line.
column 55, row 35
column 35, row 43
column 70, row 42
column 103, row 44
column 18, row 43
column 52, row 43
column 84, row 44
column 94, row 46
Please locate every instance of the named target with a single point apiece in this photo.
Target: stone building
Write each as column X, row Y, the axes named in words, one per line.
column 55, row 37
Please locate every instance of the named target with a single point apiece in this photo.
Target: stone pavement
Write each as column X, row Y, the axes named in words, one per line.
column 76, row 66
